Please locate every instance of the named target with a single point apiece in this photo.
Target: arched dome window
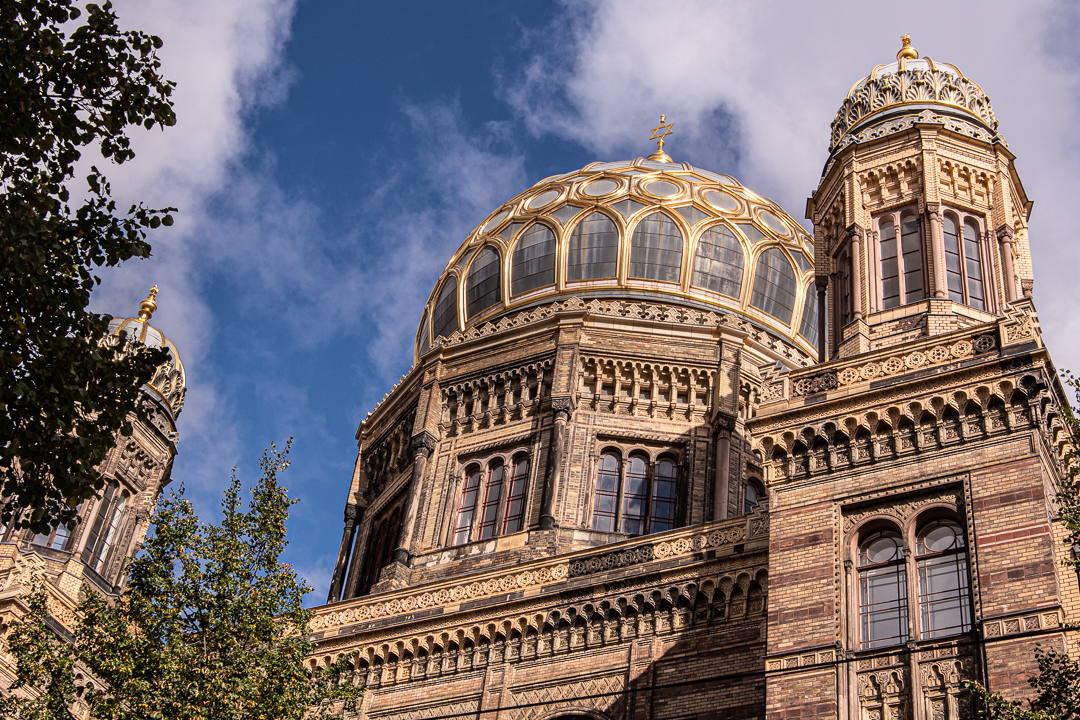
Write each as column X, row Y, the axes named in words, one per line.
column 425, row 343
column 808, row 328
column 593, row 251
column 533, row 262
column 445, row 316
column 656, row 249
column 482, row 287
column 774, row 285
column 718, row 264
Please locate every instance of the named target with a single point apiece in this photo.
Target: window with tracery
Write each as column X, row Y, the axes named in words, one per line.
column 938, row 571
column 105, row 529
column 900, row 259
column 656, row 249
column 381, row 543
column 963, row 260
column 593, row 249
column 636, row 496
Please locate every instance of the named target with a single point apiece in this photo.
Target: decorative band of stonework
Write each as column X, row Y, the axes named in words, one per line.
column 1042, row 620
column 805, row 659
column 726, row 535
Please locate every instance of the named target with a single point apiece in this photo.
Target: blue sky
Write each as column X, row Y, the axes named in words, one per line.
column 329, row 156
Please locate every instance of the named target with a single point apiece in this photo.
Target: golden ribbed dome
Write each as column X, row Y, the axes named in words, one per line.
column 637, row 229
column 169, row 383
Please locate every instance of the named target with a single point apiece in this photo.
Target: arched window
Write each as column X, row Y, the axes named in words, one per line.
column 425, row 342
column 656, row 249
column 489, row 511
column 593, row 250
column 636, row 496
column 719, row 261
column 900, row 260
column 883, row 602
column 470, row 491
column 58, row 539
column 515, row 496
column 808, row 327
column 963, row 261
column 445, row 315
column 533, row 263
column 774, row 285
column 105, row 528
column 663, row 497
column 752, row 495
column 482, row 288
column 607, row 493
column 381, row 543
column 944, row 595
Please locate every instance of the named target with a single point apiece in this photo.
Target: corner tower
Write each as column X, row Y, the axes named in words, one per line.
column 920, row 219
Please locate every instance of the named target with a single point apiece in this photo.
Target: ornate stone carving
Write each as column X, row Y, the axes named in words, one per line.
column 902, row 509
column 136, row 465
column 820, row 382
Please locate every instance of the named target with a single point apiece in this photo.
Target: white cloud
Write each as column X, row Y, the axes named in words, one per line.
column 752, row 89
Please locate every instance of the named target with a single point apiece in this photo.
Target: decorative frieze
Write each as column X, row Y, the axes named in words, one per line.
column 1030, row 622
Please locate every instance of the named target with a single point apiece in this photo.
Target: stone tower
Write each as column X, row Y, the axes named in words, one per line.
column 112, row 526
column 654, row 460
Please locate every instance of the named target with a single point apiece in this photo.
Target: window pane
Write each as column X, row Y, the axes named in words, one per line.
column 883, row 606
column 656, row 249
column 663, row 501
column 490, row 508
column 808, row 328
column 101, row 555
column 482, row 287
column 593, row 249
column 515, row 498
column 973, row 265
column 751, row 497
column 912, row 249
column 637, row 488
column 944, row 596
column 607, row 483
column 533, row 262
column 953, row 278
column 446, row 320
column 774, row 285
column 718, row 264
column 94, row 537
column 467, row 508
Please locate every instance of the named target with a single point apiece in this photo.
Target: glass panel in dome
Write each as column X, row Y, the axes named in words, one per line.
column 445, row 316
column 656, row 249
column 657, row 165
column 774, row 223
column 721, row 200
column 774, row 285
column 482, row 288
column 717, row 176
column 752, row 233
column 801, row 261
column 508, row 233
column 662, row 188
column 543, row 199
column 718, row 265
column 627, row 207
column 691, row 214
column 425, row 344
column 609, row 165
column 593, row 250
column 600, row 187
column 533, row 262
column 565, row 213
column 494, row 222
column 808, row 328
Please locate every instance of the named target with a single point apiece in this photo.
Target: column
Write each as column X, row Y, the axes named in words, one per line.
column 422, row 447
column 1005, row 236
column 855, row 242
column 562, row 407
column 721, row 488
column 822, row 283
column 937, row 253
column 343, row 554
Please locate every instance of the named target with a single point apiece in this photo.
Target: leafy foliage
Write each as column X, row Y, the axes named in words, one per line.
column 65, row 86
column 1057, row 684
column 210, row 625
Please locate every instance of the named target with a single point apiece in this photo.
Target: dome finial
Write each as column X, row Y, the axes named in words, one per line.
column 148, row 306
column 660, row 132
column 906, row 51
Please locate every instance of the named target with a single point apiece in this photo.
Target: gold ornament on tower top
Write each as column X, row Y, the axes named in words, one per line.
column 148, row 306
column 660, row 132
column 907, row 52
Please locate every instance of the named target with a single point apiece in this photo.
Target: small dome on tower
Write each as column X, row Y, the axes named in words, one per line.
column 169, row 383
column 913, row 89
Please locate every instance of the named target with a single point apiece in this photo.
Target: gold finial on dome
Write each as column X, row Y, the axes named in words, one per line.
column 660, row 132
column 148, row 306
column 906, row 51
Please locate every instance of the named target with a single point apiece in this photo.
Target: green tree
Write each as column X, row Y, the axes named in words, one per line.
column 1057, row 683
column 69, row 79
column 210, row 626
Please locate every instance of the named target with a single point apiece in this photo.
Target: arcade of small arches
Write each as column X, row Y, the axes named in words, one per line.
column 916, row 425
column 734, row 597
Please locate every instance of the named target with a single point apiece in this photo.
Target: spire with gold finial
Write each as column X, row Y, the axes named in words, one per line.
column 907, row 52
column 148, row 306
column 660, row 132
